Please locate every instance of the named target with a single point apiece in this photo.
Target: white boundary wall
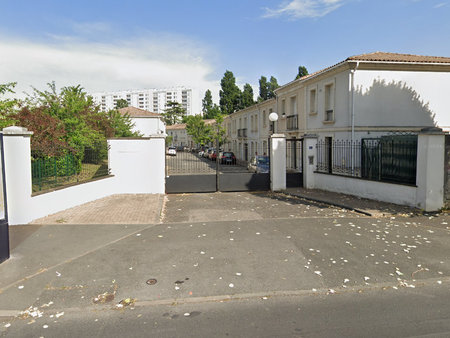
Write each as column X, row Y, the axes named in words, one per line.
column 428, row 194
column 380, row 191
column 137, row 166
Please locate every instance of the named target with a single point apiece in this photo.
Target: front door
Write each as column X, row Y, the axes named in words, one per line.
column 4, row 231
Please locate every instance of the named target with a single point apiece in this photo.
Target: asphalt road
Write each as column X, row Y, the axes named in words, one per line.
column 420, row 312
column 235, row 265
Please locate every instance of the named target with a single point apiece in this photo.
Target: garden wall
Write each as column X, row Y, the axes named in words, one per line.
column 137, row 166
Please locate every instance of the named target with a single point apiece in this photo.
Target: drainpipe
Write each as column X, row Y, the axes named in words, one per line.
column 352, row 74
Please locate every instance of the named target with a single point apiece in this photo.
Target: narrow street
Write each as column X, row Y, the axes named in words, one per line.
column 233, row 264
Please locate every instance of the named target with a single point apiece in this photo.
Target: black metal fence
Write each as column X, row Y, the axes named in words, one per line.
column 294, row 155
column 53, row 172
column 387, row 159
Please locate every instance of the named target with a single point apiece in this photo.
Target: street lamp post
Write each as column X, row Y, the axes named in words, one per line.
column 273, row 117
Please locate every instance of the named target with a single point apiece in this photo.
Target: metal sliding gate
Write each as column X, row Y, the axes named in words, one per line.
column 192, row 172
column 294, row 163
column 4, row 231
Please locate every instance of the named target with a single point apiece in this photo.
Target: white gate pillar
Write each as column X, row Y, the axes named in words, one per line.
column 430, row 169
column 17, row 152
column 278, row 162
column 309, row 160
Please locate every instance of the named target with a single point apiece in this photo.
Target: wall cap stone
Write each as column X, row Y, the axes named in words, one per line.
column 431, row 131
column 16, row 131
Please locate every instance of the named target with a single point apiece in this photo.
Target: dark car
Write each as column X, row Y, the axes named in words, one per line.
column 259, row 164
column 227, row 157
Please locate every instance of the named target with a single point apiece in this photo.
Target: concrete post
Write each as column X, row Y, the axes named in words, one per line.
column 17, row 151
column 430, row 169
column 309, row 160
column 278, row 162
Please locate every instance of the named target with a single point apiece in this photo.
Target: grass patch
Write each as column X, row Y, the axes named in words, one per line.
column 88, row 172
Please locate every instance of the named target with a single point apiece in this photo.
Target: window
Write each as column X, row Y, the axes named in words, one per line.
column 329, row 103
column 264, row 119
column 256, row 122
column 312, row 101
column 283, row 107
column 293, row 107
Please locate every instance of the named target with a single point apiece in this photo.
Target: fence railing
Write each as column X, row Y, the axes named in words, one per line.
column 53, row 172
column 388, row 159
column 294, row 155
column 292, row 122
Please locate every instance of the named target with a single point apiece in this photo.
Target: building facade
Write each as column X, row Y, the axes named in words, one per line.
column 367, row 96
column 154, row 100
column 248, row 130
column 146, row 123
column 180, row 137
column 364, row 97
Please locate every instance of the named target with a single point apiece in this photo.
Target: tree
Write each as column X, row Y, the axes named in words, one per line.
column 302, row 71
column 207, row 103
column 198, row 130
column 7, row 106
column 263, row 89
column 271, row 86
column 218, row 132
column 85, row 126
column 122, row 124
column 213, row 112
column 49, row 135
column 247, row 96
column 121, row 103
column 229, row 94
column 174, row 113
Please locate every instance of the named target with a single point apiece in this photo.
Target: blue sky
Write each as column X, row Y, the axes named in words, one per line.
column 115, row 45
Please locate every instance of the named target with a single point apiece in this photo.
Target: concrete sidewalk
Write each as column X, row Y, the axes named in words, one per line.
column 115, row 209
column 363, row 205
column 149, row 209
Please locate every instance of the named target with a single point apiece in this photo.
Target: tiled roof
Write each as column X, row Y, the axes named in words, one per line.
column 177, row 126
column 395, row 57
column 386, row 57
column 136, row 112
column 180, row 126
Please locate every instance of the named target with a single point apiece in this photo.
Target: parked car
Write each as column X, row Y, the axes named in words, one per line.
column 202, row 151
column 227, row 157
column 210, row 151
column 172, row 151
column 213, row 155
column 259, row 164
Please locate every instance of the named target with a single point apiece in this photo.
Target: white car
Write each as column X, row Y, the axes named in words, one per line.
column 172, row 151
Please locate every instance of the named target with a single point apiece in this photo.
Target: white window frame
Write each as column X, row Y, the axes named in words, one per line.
column 326, row 112
column 315, row 103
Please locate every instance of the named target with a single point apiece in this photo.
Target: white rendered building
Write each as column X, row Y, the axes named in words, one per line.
column 154, row 100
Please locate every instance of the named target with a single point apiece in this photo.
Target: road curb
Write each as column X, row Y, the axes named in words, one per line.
column 343, row 206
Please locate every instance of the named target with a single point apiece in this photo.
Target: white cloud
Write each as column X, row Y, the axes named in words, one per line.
column 439, row 5
column 133, row 64
column 298, row 9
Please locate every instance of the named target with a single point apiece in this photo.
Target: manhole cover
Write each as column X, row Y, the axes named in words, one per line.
column 151, row 281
